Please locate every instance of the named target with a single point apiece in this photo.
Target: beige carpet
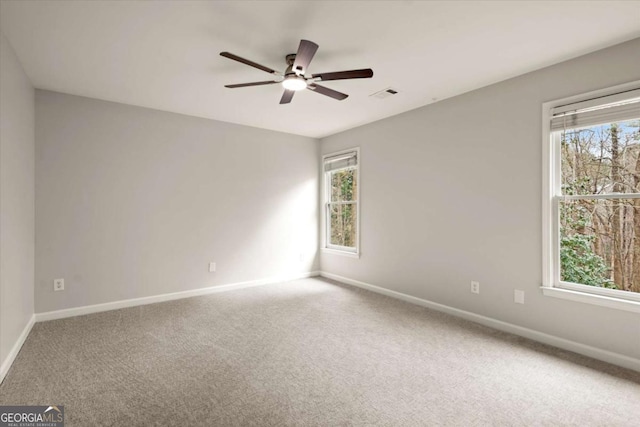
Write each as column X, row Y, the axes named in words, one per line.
column 309, row 352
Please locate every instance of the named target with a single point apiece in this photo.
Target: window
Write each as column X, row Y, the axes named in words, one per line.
column 592, row 199
column 341, row 194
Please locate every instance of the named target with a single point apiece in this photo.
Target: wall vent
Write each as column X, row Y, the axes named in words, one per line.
column 384, row 93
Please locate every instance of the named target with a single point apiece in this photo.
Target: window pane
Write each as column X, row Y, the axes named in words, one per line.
column 601, row 159
column 344, row 186
column 598, row 244
column 342, row 227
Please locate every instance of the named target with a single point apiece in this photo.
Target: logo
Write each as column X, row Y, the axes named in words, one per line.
column 32, row 416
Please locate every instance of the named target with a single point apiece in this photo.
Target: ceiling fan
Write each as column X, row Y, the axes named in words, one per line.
column 294, row 78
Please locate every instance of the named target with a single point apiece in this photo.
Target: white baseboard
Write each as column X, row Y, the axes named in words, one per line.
column 115, row 305
column 586, row 350
column 8, row 361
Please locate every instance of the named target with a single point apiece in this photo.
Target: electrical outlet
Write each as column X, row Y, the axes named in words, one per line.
column 518, row 296
column 212, row 267
column 58, row 284
column 475, row 287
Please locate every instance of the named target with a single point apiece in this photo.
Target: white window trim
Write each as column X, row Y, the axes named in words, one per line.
column 551, row 285
column 326, row 247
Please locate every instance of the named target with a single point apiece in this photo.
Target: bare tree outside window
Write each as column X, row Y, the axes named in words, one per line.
column 600, row 236
column 343, row 207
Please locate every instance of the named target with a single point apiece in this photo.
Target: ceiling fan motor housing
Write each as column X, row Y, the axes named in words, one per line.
column 290, row 59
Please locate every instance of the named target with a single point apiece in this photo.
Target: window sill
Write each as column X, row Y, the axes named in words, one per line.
column 617, row 303
column 342, row 253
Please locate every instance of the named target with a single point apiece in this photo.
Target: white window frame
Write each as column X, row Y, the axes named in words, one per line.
column 326, row 187
column 551, row 181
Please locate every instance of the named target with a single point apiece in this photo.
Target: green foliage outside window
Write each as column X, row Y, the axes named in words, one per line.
column 580, row 264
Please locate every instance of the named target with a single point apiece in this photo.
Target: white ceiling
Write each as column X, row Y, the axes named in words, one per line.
column 165, row 54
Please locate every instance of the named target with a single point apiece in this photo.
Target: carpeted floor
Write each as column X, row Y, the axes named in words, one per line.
column 309, row 352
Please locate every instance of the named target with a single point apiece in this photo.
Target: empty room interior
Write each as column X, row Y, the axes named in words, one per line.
column 318, row 213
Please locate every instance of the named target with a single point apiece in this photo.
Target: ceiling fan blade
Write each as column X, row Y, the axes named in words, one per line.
column 341, row 75
column 269, row 82
column 306, row 50
column 287, row 96
column 247, row 62
column 328, row 92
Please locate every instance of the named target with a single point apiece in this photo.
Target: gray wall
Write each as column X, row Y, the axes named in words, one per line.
column 134, row 202
column 451, row 193
column 16, row 198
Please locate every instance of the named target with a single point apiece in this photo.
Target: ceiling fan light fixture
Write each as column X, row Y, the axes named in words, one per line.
column 294, row 83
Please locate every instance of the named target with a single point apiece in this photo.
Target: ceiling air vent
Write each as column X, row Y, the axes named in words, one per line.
column 385, row 93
